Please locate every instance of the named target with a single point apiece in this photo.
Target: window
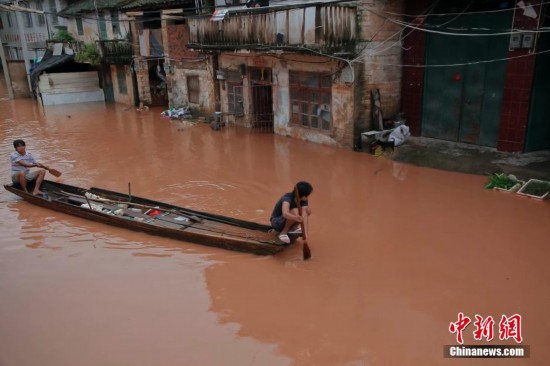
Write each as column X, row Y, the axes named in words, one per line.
column 115, row 23
column 40, row 20
column 121, row 79
column 79, row 27
column 102, row 27
column 235, row 98
column 8, row 18
column 27, row 16
column 193, row 89
column 310, row 100
column 53, row 13
column 1, row 24
column 27, row 20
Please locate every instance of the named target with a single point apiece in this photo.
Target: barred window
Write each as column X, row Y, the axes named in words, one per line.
column 193, row 89
column 121, row 79
column 310, row 100
column 235, row 98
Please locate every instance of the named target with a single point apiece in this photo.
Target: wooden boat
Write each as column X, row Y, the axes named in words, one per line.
column 155, row 218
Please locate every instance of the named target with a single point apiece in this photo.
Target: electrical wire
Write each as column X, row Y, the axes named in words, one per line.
column 468, row 13
column 462, row 63
column 424, row 29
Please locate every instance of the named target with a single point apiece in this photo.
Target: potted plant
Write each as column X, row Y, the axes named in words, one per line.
column 535, row 188
column 504, row 182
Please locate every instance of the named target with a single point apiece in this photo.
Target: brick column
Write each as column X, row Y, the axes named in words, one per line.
column 412, row 86
column 518, row 82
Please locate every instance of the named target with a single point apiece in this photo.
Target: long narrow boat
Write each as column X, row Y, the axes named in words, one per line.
column 155, row 217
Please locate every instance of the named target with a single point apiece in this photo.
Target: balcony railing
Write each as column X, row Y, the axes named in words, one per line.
column 329, row 28
column 115, row 51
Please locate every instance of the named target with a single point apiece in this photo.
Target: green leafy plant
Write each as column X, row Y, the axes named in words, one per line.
column 502, row 181
column 63, row 35
column 89, row 54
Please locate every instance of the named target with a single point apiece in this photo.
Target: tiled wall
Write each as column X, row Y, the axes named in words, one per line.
column 517, row 89
column 412, row 89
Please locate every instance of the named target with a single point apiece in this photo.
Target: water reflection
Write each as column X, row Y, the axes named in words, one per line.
column 396, row 248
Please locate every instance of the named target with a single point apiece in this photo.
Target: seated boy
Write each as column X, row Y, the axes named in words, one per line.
column 286, row 214
column 21, row 161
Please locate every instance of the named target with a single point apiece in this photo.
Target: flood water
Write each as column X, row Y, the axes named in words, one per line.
column 398, row 251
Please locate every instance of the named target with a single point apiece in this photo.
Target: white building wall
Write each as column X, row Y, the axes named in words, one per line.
column 35, row 34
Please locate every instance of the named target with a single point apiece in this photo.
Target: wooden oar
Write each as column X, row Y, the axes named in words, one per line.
column 54, row 172
column 305, row 250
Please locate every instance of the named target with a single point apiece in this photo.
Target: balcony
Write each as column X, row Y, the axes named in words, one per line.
column 118, row 52
column 324, row 28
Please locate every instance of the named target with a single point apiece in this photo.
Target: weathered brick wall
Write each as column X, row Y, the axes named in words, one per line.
column 178, row 37
column 177, row 86
column 520, row 72
column 143, row 84
column 381, row 54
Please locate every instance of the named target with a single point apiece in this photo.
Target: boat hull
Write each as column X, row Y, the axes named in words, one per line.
column 170, row 221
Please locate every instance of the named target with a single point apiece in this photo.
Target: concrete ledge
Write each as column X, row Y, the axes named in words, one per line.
column 67, row 98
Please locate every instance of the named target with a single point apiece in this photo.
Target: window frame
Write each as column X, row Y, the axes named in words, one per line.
column 53, row 12
column 310, row 104
column 40, row 18
column 121, row 79
column 79, row 26
column 235, row 98
column 115, row 23
column 193, row 94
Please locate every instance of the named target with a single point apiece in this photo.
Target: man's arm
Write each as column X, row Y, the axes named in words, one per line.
column 289, row 215
column 305, row 221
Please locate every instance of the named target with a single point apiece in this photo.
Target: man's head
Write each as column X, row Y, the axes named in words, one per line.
column 19, row 145
column 304, row 188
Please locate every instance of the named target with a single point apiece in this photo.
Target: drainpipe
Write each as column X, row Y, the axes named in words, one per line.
column 6, row 71
column 24, row 48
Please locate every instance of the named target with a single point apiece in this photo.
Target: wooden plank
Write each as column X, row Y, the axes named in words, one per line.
column 69, row 83
column 70, row 75
column 295, row 25
column 68, row 91
column 377, row 132
column 309, row 25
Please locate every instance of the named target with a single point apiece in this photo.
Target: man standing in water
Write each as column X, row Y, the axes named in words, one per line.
column 286, row 213
column 21, row 162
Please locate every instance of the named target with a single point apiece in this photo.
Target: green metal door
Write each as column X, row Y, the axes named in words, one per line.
column 538, row 128
column 462, row 99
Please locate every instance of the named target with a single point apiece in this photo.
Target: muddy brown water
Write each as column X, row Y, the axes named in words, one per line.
column 398, row 252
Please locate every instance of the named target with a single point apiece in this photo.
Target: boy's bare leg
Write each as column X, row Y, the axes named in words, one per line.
column 22, row 181
column 39, row 179
column 290, row 223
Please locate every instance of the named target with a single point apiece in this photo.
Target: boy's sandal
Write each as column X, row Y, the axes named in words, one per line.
column 284, row 238
column 297, row 231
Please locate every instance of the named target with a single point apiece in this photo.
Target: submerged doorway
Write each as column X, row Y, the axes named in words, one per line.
column 538, row 127
column 462, row 100
column 261, row 92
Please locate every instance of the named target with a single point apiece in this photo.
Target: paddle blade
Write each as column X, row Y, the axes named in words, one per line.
column 306, row 251
column 55, row 173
